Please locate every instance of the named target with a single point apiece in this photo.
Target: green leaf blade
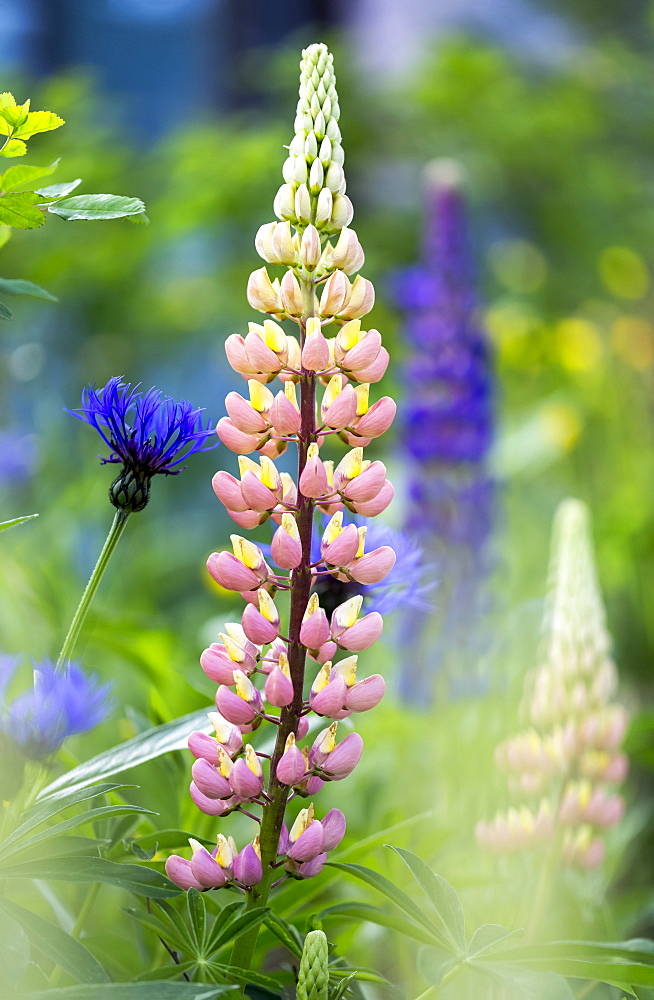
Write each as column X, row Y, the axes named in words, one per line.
column 96, row 206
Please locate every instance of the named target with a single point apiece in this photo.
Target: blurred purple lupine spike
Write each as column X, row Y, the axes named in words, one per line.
column 447, row 432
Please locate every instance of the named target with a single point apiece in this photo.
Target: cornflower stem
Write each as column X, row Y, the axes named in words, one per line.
column 273, row 812
column 115, row 532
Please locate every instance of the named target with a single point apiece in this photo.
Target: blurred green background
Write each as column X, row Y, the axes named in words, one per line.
column 557, row 147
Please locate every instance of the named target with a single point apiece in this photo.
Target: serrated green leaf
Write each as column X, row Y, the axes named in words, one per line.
column 160, row 990
column 135, row 878
column 144, row 747
column 56, row 945
column 88, row 816
column 16, row 177
column 392, row 892
column 441, row 894
column 376, row 915
column 96, row 206
column 59, row 190
column 37, row 121
column 19, row 210
column 14, row 115
column 15, row 147
column 19, row 286
column 16, row 520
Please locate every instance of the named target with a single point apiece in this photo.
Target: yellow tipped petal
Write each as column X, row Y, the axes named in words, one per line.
column 260, row 396
column 322, row 677
column 284, row 664
column 252, row 760
column 274, row 336
column 334, row 389
column 224, row 762
column 290, row 742
column 225, row 852
column 256, row 843
column 312, row 606
column 269, row 474
column 350, row 334
column 267, row 607
column 246, row 464
column 312, row 450
column 334, row 528
column 348, row 612
column 291, row 394
column 313, row 325
column 289, row 524
column 347, row 668
column 362, row 393
column 362, row 541
column 234, row 650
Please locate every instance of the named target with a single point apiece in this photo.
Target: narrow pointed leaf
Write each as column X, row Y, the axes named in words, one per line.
column 48, row 809
column 197, row 912
column 19, row 286
column 89, row 816
column 17, row 520
column 6, row 313
column 162, row 990
column 239, row 925
column 56, row 945
column 376, row 915
column 441, row 894
column 233, row 974
column 135, row 878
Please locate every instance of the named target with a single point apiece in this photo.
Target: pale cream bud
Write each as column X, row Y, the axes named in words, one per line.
column 291, row 295
column 284, row 203
column 303, row 204
column 342, row 212
column 300, row 170
column 335, row 294
column 310, row 249
column 335, row 178
column 361, row 298
column 316, row 177
column 282, row 241
column 348, row 253
column 324, row 208
column 263, row 242
column 261, row 293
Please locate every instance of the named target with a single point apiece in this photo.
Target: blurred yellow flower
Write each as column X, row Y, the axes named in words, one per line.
column 561, row 425
column 579, row 345
column 632, row 338
column 624, row 272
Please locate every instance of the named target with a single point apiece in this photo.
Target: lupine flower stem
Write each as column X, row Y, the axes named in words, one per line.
column 273, row 813
column 115, row 532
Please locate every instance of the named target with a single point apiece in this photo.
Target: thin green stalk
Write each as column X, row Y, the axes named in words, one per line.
column 116, row 530
column 56, row 974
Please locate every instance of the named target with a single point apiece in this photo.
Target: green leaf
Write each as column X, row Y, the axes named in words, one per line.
column 175, row 971
column 5, row 313
column 197, row 913
column 173, row 935
column 162, row 990
column 258, row 993
column 88, row 816
column 238, row 925
column 15, row 177
column 96, row 206
column 15, row 147
column 19, row 210
column 286, row 933
column 56, row 945
column 43, row 811
column 247, row 976
column 443, row 896
column 342, row 987
column 135, row 878
column 19, row 286
column 38, row 121
column 391, row 891
column 14, row 953
column 144, row 747
column 489, row 936
column 59, row 190
column 376, row 915
column 17, row 520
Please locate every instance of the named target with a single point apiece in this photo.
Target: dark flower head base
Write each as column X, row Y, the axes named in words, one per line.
column 147, row 433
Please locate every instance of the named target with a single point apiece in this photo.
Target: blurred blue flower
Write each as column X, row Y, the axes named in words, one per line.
column 147, row 433
column 18, row 456
column 447, row 433
column 58, row 705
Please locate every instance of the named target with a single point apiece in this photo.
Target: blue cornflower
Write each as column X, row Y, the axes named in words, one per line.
column 58, row 705
column 147, row 433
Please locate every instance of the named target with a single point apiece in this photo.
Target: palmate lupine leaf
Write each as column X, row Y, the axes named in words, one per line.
column 135, row 878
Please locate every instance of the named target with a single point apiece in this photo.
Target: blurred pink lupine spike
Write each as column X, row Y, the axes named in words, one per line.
column 573, row 742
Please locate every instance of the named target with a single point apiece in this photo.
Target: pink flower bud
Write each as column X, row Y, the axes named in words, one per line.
column 374, row 566
column 378, row 418
column 325, row 652
column 247, row 866
column 227, row 734
column 228, row 490
column 309, row 844
column 203, row 746
column 292, row 765
column 312, row 868
column 230, row 572
column 366, row 486
column 314, row 630
column 361, row 298
column 246, row 783
column 238, row 359
column 330, row 699
column 282, row 847
column 365, row 694
column 284, row 416
column 334, row 294
column 344, row 758
column 258, row 497
column 313, row 481
column 376, row 370
column 261, row 625
column 333, row 825
column 206, row 869
column 302, row 727
column 315, row 353
column 217, row 665
column 278, row 689
column 234, row 439
column 342, row 550
column 370, row 508
column 211, row 807
column 247, row 519
column 243, row 414
column 179, row 871
column 210, row 781
column 260, row 356
column 343, row 410
column 363, row 354
column 261, row 294
column 291, row 294
column 235, row 708
column 286, row 546
column 362, row 634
